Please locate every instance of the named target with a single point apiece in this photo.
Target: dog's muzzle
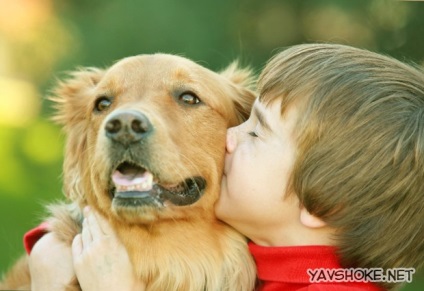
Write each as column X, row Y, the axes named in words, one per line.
column 132, row 183
column 134, row 186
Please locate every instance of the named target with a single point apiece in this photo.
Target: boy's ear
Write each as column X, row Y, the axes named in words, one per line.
column 309, row 220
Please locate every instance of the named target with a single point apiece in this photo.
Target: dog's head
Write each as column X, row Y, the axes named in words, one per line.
column 146, row 137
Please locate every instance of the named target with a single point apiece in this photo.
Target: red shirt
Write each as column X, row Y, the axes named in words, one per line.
column 32, row 236
column 285, row 268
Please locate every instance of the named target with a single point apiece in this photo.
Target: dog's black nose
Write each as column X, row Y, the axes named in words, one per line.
column 127, row 126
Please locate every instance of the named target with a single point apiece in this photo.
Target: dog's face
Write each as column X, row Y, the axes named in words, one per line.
column 146, row 137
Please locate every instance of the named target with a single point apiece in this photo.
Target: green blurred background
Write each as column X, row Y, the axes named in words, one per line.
column 40, row 39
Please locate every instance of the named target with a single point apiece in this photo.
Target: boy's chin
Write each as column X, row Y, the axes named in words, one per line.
column 223, row 209
column 219, row 211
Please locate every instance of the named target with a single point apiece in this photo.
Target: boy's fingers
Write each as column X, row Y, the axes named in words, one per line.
column 86, row 237
column 103, row 224
column 86, row 211
column 98, row 224
column 93, row 224
column 77, row 246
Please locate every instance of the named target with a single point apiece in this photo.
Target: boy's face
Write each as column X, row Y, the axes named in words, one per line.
column 259, row 160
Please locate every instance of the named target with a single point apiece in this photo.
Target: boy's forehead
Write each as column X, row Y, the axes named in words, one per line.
column 263, row 109
column 269, row 114
column 261, row 113
column 272, row 118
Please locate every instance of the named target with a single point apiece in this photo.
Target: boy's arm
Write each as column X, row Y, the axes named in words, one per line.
column 50, row 261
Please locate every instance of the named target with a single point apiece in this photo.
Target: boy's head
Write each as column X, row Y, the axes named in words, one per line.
column 360, row 138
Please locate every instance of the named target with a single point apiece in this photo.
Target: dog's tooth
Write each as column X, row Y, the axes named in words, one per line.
column 145, row 185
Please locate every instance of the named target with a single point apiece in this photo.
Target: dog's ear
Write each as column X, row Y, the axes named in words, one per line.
column 244, row 81
column 70, row 98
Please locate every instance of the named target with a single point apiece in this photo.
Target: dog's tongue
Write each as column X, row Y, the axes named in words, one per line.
column 133, row 179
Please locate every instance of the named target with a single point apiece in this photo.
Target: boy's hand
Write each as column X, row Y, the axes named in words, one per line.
column 50, row 264
column 101, row 262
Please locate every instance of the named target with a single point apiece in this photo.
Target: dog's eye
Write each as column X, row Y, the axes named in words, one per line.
column 189, row 98
column 102, row 104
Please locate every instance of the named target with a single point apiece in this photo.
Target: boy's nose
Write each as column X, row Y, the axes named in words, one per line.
column 231, row 142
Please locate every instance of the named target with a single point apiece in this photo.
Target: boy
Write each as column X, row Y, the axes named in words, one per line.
column 333, row 154
column 328, row 172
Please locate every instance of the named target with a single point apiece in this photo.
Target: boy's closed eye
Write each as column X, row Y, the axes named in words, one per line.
column 256, row 130
column 252, row 133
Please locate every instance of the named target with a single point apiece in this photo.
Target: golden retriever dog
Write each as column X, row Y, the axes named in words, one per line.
column 145, row 148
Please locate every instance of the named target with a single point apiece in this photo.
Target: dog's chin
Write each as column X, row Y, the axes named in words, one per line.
column 134, row 189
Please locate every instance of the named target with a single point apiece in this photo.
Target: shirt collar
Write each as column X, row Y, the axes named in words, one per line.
column 290, row 264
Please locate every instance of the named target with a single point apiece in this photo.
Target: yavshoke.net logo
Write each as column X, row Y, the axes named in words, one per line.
column 395, row 275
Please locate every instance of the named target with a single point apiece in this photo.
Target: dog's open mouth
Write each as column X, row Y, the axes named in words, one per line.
column 134, row 185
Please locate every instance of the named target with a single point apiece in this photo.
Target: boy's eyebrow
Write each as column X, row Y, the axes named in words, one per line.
column 261, row 118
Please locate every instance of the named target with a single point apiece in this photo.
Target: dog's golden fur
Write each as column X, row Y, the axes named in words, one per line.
column 174, row 244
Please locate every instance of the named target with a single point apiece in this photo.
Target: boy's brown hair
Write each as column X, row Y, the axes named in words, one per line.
column 360, row 164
